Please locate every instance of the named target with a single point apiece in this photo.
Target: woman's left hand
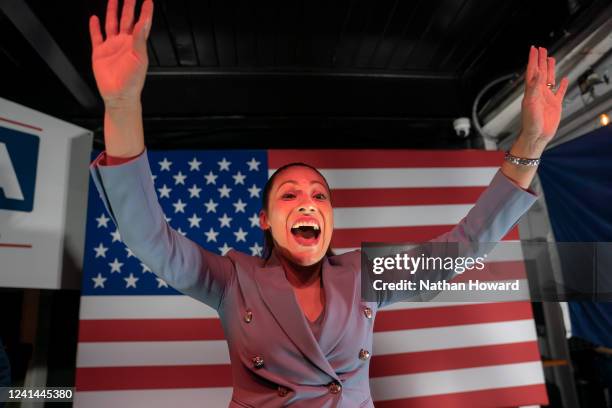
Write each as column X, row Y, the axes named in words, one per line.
column 541, row 106
column 540, row 115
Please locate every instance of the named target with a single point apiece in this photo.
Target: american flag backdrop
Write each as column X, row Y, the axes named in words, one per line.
column 141, row 343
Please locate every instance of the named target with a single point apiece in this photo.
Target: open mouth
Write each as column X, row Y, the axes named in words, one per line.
column 306, row 233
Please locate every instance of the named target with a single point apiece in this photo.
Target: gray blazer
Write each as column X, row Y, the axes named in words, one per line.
column 275, row 359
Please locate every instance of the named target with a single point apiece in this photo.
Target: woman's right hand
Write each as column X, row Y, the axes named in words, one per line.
column 120, row 62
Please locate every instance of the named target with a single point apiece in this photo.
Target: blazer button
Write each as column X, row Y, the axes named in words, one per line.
column 364, row 354
column 335, row 388
column 367, row 312
column 248, row 316
column 282, row 391
column 258, row 362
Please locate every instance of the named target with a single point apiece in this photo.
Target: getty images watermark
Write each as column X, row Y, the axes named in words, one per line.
column 486, row 272
column 421, row 263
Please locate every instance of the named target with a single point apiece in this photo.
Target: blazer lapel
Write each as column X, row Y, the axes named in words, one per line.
column 339, row 284
column 278, row 295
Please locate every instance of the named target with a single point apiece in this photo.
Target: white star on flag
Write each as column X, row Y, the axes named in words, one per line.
column 224, row 191
column 129, row 252
column 225, row 221
column 116, row 236
column 145, row 268
column 253, row 165
column 165, row 165
column 256, row 249
column 115, row 266
column 254, row 220
column 210, row 178
column 179, row 178
column 99, row 281
column 224, row 164
column 179, row 206
column 130, row 281
column 164, row 191
column 161, row 283
column 211, row 206
column 101, row 251
column 103, row 221
column 239, row 178
column 240, row 235
column 224, row 249
column 239, row 206
column 180, row 231
column 194, row 221
column 254, row 191
column 194, row 164
column 211, row 235
column 194, row 191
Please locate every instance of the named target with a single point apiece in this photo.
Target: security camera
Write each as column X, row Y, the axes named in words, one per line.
column 462, row 127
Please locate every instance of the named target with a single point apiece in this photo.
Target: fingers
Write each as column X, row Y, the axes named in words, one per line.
column 111, row 18
column 127, row 16
column 146, row 13
column 562, row 88
column 542, row 64
column 94, row 32
column 532, row 65
column 143, row 27
column 550, row 78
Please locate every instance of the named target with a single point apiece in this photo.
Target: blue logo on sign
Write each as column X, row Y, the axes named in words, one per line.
column 18, row 162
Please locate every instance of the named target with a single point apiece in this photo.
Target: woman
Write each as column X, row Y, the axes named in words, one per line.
column 297, row 330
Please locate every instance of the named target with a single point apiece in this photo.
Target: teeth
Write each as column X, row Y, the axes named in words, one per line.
column 306, row 224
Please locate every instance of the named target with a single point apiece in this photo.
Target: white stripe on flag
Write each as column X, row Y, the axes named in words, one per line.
column 439, row 338
column 399, row 216
column 508, row 250
column 408, row 177
column 461, row 380
column 152, row 353
column 144, row 307
column 183, row 398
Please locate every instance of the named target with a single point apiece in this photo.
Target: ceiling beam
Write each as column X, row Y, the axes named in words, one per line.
column 299, row 72
column 41, row 40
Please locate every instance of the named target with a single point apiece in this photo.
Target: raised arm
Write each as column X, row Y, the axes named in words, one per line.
column 120, row 67
column 503, row 203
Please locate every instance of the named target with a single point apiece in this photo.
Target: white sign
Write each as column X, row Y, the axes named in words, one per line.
column 43, row 198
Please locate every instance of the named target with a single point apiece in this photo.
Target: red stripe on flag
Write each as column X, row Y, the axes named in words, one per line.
column 496, row 397
column 152, row 377
column 353, row 237
column 380, row 197
column 421, row 318
column 453, row 359
column 378, row 158
column 150, row 330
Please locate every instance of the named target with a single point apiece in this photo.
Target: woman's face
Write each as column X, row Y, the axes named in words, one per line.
column 299, row 215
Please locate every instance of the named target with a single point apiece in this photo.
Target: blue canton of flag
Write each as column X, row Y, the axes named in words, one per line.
column 212, row 197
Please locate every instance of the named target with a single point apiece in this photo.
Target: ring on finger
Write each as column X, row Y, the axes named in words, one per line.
column 550, row 86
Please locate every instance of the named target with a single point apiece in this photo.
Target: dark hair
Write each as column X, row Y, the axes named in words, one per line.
column 268, row 240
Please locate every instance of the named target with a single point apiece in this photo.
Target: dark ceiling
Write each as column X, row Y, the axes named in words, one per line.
column 239, row 73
